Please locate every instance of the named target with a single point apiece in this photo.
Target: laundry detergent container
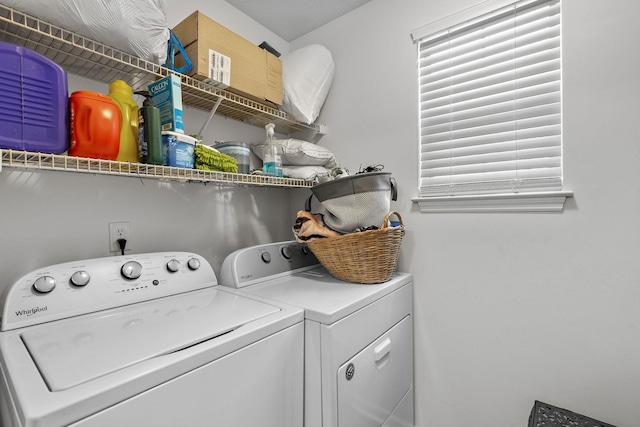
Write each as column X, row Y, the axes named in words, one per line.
column 239, row 151
column 34, row 105
column 178, row 150
column 95, row 125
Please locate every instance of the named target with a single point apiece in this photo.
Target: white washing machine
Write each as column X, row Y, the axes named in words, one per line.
column 358, row 338
column 146, row 340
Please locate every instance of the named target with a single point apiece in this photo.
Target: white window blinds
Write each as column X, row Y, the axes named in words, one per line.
column 490, row 103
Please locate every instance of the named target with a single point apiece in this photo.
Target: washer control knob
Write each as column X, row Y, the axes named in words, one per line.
column 193, row 263
column 173, row 266
column 80, row 278
column 131, row 270
column 44, row 284
column 286, row 252
column 266, row 257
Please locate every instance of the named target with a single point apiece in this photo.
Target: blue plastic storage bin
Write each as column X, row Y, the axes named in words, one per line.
column 33, row 101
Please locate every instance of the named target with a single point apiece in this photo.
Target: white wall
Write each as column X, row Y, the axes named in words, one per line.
column 510, row 308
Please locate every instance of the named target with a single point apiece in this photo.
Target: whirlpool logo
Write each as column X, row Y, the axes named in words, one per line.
column 31, row 311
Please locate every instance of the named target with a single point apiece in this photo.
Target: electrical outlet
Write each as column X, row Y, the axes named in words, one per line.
column 119, row 230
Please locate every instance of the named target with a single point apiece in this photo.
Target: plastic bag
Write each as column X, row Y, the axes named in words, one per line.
column 138, row 27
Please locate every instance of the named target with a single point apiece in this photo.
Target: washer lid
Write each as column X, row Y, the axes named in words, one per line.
column 73, row 351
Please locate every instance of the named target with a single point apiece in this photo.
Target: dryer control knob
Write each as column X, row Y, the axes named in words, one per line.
column 173, row 265
column 80, row 278
column 131, row 270
column 266, row 257
column 350, row 372
column 193, row 263
column 286, row 252
column 44, row 284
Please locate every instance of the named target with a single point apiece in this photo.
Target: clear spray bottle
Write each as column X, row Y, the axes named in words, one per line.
column 272, row 158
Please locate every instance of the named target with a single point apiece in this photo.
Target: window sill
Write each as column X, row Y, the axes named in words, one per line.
column 551, row 201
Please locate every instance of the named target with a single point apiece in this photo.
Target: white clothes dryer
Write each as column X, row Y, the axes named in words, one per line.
column 358, row 338
column 146, row 340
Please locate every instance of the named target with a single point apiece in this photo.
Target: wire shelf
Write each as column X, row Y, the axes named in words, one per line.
column 88, row 58
column 85, row 57
column 59, row 162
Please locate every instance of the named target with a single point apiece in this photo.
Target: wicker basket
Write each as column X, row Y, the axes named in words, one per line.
column 361, row 257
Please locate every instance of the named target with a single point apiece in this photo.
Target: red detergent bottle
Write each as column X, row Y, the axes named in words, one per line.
column 95, row 125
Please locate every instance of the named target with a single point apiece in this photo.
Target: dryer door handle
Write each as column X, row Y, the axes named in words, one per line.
column 382, row 349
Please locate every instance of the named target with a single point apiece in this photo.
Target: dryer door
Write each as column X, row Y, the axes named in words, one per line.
column 373, row 382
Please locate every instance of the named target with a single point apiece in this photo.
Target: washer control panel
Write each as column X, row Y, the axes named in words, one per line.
column 255, row 264
column 80, row 287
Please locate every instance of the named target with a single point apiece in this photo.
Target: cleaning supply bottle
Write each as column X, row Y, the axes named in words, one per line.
column 272, row 158
column 122, row 94
column 94, row 123
column 149, row 131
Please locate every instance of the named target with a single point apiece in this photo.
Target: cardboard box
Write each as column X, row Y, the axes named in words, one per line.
column 227, row 60
column 166, row 94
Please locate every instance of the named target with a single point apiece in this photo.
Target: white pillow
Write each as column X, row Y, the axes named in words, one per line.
column 308, row 173
column 307, row 74
column 296, row 152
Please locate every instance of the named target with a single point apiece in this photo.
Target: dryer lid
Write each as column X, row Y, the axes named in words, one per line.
column 73, row 351
column 324, row 298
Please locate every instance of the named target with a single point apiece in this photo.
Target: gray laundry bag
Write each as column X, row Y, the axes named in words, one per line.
column 354, row 202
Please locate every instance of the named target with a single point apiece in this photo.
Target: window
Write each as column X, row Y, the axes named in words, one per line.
column 490, row 107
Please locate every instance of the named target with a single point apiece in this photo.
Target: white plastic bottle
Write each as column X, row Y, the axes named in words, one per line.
column 272, row 159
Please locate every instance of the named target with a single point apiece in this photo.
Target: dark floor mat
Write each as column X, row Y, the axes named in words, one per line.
column 545, row 415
